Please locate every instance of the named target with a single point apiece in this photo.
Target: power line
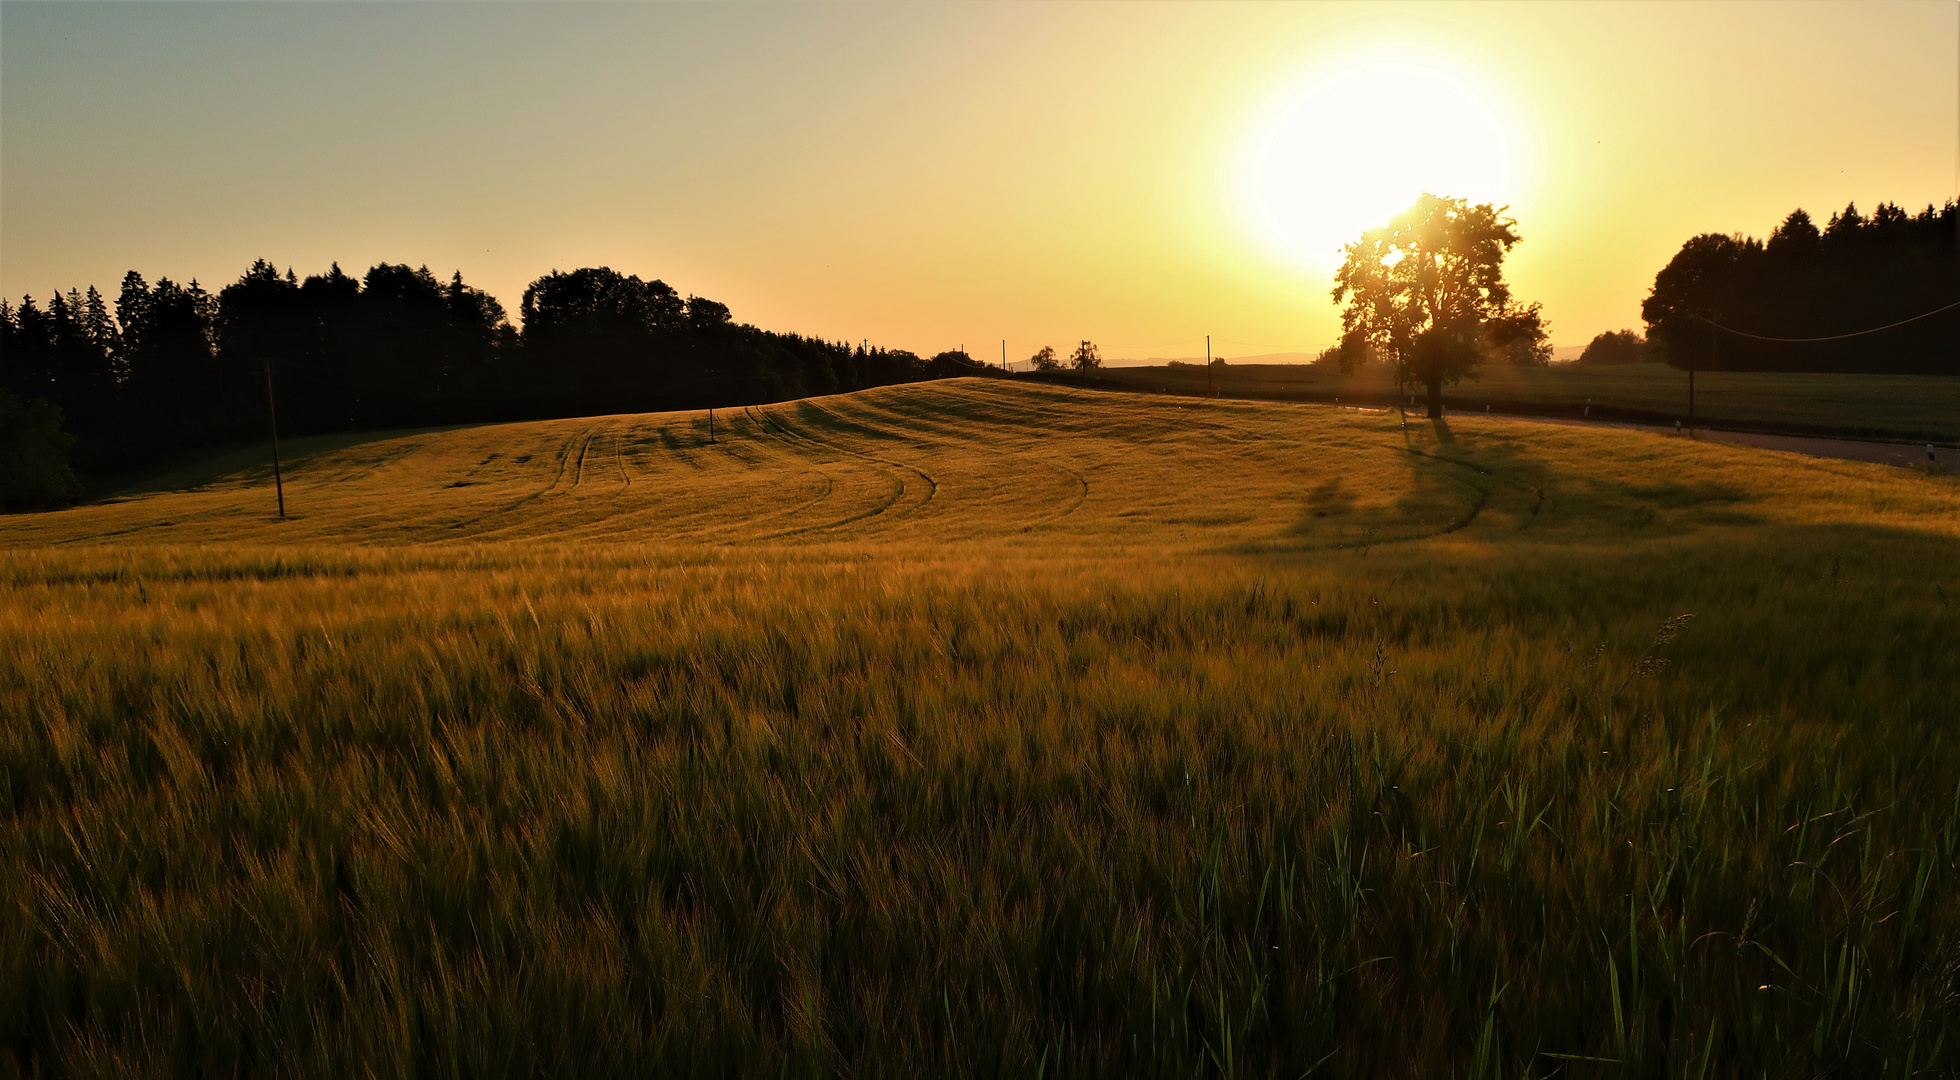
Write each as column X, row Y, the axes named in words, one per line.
column 1833, row 337
column 1272, row 345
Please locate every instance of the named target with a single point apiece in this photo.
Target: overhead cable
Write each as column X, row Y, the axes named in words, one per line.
column 1833, row 337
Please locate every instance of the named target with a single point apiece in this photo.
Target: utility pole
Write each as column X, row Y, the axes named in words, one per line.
column 711, row 425
column 1714, row 344
column 1211, row 384
column 1003, row 354
column 272, row 413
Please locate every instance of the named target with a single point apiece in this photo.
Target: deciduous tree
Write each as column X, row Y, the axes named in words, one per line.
column 1615, row 347
column 1427, row 292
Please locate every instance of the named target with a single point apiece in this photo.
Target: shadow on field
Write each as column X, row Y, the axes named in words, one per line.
column 1504, row 488
column 1330, row 498
column 1435, row 498
column 204, row 466
column 1569, row 505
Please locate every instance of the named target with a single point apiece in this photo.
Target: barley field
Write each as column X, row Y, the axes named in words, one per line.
column 979, row 728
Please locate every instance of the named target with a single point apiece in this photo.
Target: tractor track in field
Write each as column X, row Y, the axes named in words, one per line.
column 926, row 429
column 564, row 460
column 583, row 439
column 1537, row 493
column 766, row 423
column 897, row 468
column 578, row 473
column 923, row 427
column 788, row 434
column 619, row 460
column 1080, row 497
column 1483, row 495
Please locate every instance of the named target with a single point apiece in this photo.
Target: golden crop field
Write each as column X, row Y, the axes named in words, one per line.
column 978, row 728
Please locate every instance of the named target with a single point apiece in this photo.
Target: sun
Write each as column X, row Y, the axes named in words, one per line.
column 1350, row 149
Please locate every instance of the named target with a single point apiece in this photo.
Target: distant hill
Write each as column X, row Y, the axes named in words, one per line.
column 1560, row 354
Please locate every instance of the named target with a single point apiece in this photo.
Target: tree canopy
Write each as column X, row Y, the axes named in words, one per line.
column 1427, row 292
column 1856, row 274
column 1615, row 347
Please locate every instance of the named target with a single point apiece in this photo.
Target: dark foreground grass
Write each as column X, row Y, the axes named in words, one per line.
column 1427, row 812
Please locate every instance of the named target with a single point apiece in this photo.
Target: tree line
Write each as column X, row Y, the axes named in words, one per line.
column 173, row 366
column 1085, row 359
column 1856, row 273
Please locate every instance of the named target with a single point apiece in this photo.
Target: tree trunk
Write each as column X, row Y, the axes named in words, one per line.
column 1435, row 399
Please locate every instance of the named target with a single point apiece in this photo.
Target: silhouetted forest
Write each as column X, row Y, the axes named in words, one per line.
column 1615, row 347
column 176, row 366
column 1854, row 274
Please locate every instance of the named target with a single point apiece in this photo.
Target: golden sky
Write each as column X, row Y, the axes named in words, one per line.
column 928, row 176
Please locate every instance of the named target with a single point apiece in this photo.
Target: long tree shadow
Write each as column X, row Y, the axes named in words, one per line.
column 1434, row 496
column 1511, row 487
column 1572, row 504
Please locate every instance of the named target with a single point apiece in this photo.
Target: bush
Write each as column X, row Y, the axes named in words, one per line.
column 34, row 472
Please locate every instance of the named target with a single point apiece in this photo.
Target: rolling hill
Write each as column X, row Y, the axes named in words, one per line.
column 969, row 464
column 976, row 727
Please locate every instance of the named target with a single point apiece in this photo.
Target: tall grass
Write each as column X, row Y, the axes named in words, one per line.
column 1134, row 797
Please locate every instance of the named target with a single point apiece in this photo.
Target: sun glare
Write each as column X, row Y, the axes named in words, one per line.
column 1352, row 148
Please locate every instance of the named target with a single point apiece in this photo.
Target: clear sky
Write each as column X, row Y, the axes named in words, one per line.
column 928, row 176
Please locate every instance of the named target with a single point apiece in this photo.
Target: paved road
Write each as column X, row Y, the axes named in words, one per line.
column 1843, row 449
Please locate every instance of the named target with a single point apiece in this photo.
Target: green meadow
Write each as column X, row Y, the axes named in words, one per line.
column 986, row 728
column 1897, row 408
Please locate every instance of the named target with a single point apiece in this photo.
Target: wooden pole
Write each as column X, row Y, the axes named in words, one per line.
column 1211, row 384
column 1714, row 343
column 711, row 425
column 272, row 414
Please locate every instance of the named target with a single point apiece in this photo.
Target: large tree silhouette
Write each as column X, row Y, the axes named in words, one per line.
column 1427, row 292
